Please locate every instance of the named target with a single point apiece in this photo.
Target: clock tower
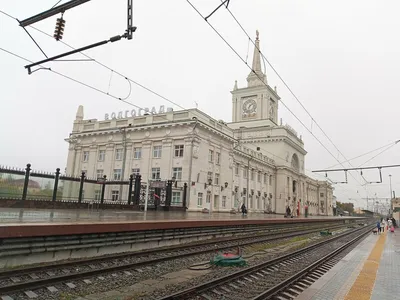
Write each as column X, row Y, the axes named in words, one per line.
column 258, row 101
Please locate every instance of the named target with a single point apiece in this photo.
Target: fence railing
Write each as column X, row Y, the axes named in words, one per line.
column 28, row 184
column 35, row 185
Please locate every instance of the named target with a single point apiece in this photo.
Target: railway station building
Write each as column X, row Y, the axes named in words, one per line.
column 254, row 159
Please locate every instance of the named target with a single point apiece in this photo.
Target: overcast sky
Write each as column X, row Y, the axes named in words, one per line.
column 339, row 57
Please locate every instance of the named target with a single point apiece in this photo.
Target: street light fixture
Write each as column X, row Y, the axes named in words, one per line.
column 391, row 194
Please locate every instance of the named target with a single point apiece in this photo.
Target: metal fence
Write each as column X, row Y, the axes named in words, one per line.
column 28, row 184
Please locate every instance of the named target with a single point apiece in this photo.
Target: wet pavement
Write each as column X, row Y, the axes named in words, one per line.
column 16, row 215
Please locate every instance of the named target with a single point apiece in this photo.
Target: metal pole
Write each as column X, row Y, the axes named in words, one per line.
column 211, row 199
column 103, row 190
column 147, row 195
column 248, row 184
column 123, row 159
column 130, row 189
column 185, row 187
column 81, row 187
column 26, row 182
column 391, row 194
column 56, row 184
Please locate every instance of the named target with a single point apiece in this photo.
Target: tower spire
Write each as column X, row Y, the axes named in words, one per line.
column 256, row 73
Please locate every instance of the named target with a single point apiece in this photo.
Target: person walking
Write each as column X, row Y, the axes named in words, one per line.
column 383, row 224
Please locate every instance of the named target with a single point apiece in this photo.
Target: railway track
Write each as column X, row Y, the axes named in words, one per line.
column 29, row 279
column 281, row 278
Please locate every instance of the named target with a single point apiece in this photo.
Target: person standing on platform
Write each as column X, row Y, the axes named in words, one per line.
column 390, row 223
column 288, row 212
column 378, row 226
column 383, row 225
column 244, row 209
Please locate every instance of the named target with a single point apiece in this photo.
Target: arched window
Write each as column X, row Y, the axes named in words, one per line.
column 295, row 162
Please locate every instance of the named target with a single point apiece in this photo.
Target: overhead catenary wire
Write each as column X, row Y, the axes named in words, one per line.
column 112, row 71
column 102, row 64
column 384, row 150
column 262, row 81
column 289, row 89
column 364, row 154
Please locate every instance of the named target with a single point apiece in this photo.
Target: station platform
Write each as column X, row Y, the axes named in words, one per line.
column 370, row 271
column 35, row 222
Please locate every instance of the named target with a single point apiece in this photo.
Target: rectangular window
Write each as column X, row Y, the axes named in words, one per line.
column 199, row 199
column 85, row 155
column 177, row 173
column 252, row 174
column 209, row 177
column 237, row 169
column 118, row 154
column 137, row 153
column 210, row 156
column 178, row 151
column 97, row 195
column 270, row 179
column 218, row 158
column 117, row 174
column 265, row 178
column 102, row 155
column 135, row 171
column 216, row 179
column 99, row 173
column 321, row 195
column 155, row 173
column 114, row 195
column 245, row 172
column 259, row 176
column 208, row 197
column 176, row 198
column 157, row 150
column 223, row 201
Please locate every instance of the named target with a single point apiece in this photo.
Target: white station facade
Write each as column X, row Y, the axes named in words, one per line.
column 254, row 159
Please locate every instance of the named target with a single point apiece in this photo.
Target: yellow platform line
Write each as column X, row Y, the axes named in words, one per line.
column 362, row 287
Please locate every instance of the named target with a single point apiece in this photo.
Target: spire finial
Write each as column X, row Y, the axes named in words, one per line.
column 79, row 113
column 235, row 87
column 256, row 76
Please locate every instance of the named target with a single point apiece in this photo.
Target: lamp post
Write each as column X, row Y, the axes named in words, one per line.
column 211, row 198
column 391, row 195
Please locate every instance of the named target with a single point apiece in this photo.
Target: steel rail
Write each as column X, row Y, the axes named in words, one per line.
column 280, row 287
column 196, row 290
column 39, row 283
column 281, row 230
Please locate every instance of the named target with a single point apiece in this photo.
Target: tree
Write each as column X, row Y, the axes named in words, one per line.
column 345, row 206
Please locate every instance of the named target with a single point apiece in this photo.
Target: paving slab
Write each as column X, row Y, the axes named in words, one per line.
column 387, row 284
column 337, row 281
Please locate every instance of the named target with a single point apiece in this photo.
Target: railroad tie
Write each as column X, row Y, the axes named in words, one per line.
column 31, row 294
column 52, row 289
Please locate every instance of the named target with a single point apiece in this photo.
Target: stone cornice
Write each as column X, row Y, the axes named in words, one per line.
column 248, row 156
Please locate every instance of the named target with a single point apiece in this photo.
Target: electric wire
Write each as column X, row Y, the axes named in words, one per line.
column 384, row 150
column 289, row 89
column 369, row 152
column 262, row 81
column 113, row 71
column 73, row 79
column 284, row 82
column 102, row 64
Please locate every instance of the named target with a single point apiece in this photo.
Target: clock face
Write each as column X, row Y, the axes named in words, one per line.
column 249, row 108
